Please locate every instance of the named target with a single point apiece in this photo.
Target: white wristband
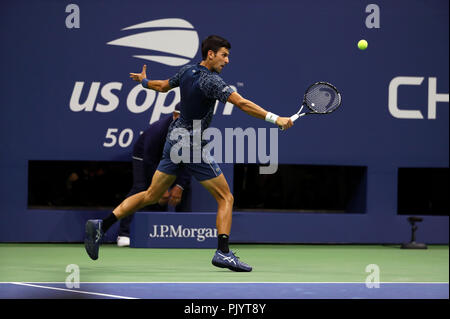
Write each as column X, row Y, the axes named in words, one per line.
column 272, row 118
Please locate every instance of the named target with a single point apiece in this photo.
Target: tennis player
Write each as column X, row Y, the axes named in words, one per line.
column 200, row 87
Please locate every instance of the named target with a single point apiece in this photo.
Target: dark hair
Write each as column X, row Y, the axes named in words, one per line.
column 214, row 42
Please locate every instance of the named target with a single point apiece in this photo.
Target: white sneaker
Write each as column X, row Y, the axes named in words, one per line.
column 123, row 241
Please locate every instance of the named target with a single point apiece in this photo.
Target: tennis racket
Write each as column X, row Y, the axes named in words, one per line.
column 319, row 98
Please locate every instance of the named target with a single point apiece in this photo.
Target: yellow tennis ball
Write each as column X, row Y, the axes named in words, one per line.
column 362, row 44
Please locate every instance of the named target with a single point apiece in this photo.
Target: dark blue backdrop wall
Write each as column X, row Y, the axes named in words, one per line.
column 65, row 91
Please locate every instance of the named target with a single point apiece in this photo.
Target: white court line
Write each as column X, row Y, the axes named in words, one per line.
column 70, row 290
column 232, row 282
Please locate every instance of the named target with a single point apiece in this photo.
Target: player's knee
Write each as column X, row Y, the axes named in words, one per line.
column 229, row 198
column 225, row 199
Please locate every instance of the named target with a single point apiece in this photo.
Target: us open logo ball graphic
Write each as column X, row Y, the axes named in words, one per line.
column 174, row 43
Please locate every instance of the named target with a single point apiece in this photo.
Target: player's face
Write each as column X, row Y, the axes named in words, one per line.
column 220, row 59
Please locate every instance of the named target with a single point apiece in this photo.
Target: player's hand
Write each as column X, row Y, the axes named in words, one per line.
column 140, row 76
column 164, row 199
column 175, row 195
column 284, row 122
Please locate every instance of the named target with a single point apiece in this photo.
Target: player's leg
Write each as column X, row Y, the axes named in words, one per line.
column 160, row 183
column 224, row 258
column 96, row 228
column 219, row 189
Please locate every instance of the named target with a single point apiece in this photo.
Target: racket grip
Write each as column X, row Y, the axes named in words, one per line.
column 294, row 117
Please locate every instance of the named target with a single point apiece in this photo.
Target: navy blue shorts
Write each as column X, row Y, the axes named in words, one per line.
column 206, row 169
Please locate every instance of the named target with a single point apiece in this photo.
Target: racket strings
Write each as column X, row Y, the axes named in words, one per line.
column 322, row 98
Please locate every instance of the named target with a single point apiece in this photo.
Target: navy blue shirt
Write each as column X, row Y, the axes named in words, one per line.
column 199, row 88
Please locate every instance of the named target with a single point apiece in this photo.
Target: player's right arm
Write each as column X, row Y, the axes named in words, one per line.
column 157, row 85
column 255, row 110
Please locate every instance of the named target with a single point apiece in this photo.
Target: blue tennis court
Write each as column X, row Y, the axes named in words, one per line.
column 157, row 290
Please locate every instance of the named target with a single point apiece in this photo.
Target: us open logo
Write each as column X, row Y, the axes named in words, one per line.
column 175, row 43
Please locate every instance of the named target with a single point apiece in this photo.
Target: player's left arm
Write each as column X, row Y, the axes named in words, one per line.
column 257, row 111
column 157, row 85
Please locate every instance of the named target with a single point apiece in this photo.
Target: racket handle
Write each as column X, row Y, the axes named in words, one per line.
column 294, row 118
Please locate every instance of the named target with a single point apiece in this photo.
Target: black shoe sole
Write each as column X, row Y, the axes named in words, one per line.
column 230, row 267
column 88, row 243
